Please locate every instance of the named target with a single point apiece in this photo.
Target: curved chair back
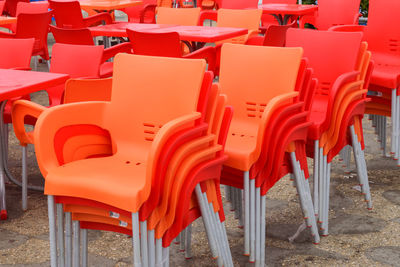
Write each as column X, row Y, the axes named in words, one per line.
column 67, row 14
column 72, row 36
column 178, row 16
column 15, row 53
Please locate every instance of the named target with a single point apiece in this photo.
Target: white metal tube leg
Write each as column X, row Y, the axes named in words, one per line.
column 188, row 242
column 76, row 244
column 258, row 226
column 24, row 180
column 136, row 240
column 262, row 255
column 52, row 231
column 84, row 234
column 393, row 117
column 152, row 249
column 252, row 220
column 143, row 243
column 316, row 177
column 60, row 234
column 159, row 252
column 246, row 185
column 68, row 239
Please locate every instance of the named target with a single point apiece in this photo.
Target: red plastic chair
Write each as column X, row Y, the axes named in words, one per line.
column 28, row 8
column 68, row 14
column 275, row 35
column 84, row 37
column 33, row 26
column 145, row 13
column 167, row 45
column 333, row 13
column 10, row 7
column 16, row 53
column 2, row 4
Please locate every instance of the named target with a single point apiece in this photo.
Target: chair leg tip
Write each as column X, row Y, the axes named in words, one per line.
column 369, row 208
column 3, row 215
column 325, row 235
column 188, row 258
column 316, row 243
column 246, row 254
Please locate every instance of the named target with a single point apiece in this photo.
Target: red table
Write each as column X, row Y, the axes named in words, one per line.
column 199, row 34
column 15, row 83
column 282, row 12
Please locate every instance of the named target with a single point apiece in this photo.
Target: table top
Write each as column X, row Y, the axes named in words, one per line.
column 15, row 83
column 188, row 33
column 108, row 4
column 7, row 20
column 288, row 9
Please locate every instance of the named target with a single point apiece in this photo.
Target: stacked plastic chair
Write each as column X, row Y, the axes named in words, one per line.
column 382, row 38
column 341, row 64
column 333, row 13
column 82, row 36
column 248, row 144
column 139, row 175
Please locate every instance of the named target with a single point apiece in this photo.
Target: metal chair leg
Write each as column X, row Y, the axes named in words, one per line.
column 68, row 239
column 246, row 185
column 159, row 252
column 76, row 244
column 252, row 220
column 84, row 234
column 24, row 179
column 60, row 234
column 136, row 240
column 143, row 243
column 316, row 177
column 52, row 231
column 152, row 249
column 188, row 242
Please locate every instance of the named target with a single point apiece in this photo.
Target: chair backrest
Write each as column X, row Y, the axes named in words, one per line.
column 237, row 4
column 67, row 14
column 35, row 26
column 330, row 54
column 382, row 33
column 337, row 12
column 249, row 19
column 32, row 8
column 2, row 4
column 72, row 36
column 264, row 71
column 150, row 96
column 15, row 53
column 78, row 90
column 10, row 7
column 76, row 60
column 275, row 35
column 155, row 44
column 178, row 16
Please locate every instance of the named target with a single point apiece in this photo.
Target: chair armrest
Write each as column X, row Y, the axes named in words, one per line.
column 148, row 9
column 119, row 48
column 21, row 109
column 104, row 16
column 348, row 28
column 255, row 40
column 53, row 119
column 208, row 53
column 207, row 14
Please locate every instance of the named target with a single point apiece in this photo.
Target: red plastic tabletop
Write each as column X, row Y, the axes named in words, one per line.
column 188, row 33
column 14, row 83
column 7, row 20
column 108, row 5
column 288, row 9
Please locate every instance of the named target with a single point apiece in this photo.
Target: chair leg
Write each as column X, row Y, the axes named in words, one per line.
column 165, row 256
column 393, row 117
column 246, row 186
column 228, row 193
column 188, row 242
column 24, row 179
column 398, row 128
column 68, row 239
column 60, row 234
column 316, row 177
column 84, row 234
column 151, row 246
column 262, row 256
column 325, row 224
column 76, row 244
column 252, row 220
column 258, row 226
column 384, row 136
column 52, row 231
column 321, row 185
column 136, row 240
column 159, row 253
column 143, row 243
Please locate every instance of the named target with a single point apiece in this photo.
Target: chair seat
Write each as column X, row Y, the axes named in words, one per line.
column 116, row 181
column 386, row 70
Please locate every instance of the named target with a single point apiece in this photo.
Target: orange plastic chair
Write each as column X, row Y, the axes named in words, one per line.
column 244, row 67
column 178, row 16
column 84, row 37
column 249, row 19
column 33, row 26
column 28, row 8
column 110, row 178
column 333, row 13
